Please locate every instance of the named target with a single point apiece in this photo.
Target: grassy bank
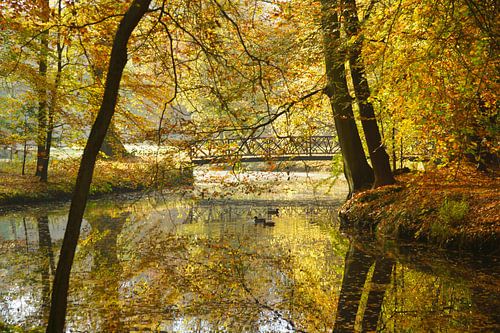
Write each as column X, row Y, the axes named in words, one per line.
column 452, row 208
column 109, row 177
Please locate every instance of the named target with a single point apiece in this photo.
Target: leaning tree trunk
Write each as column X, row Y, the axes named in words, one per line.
column 358, row 173
column 117, row 62
column 378, row 155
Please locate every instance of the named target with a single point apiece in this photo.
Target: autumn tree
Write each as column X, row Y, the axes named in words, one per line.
column 378, row 156
column 433, row 67
column 42, row 95
column 358, row 173
column 42, row 38
column 96, row 23
column 118, row 60
column 27, row 26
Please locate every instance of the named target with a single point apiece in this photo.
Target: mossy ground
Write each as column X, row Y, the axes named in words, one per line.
column 458, row 208
column 109, row 177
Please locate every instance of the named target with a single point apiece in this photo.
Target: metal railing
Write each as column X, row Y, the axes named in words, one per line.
column 257, row 149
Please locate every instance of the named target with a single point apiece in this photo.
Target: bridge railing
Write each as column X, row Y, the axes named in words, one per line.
column 263, row 148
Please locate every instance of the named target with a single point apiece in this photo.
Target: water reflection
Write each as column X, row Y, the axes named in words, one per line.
column 46, row 255
column 106, row 268
column 225, row 272
column 173, row 265
column 357, row 264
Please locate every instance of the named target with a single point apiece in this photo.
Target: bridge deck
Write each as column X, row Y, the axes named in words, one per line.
column 260, row 149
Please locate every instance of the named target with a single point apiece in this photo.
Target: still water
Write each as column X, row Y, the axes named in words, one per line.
column 199, row 263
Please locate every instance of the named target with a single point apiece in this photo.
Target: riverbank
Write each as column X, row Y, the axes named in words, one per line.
column 109, row 177
column 449, row 208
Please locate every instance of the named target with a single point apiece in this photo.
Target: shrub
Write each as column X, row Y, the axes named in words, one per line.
column 440, row 231
column 452, row 211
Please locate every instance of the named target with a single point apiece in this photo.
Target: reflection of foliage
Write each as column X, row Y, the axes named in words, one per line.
column 236, row 281
column 235, row 284
column 135, row 271
column 6, row 328
column 421, row 302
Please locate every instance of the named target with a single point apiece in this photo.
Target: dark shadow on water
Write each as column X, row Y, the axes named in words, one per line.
column 357, row 265
column 380, row 282
column 391, row 286
column 47, row 265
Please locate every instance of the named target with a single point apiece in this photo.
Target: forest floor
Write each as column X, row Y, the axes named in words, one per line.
column 452, row 207
column 109, row 177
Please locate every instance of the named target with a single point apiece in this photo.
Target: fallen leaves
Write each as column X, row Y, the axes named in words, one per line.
column 412, row 207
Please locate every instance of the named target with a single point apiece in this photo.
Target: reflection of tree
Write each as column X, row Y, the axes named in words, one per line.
column 240, row 281
column 357, row 265
column 457, row 290
column 355, row 272
column 379, row 283
column 106, row 269
column 46, row 260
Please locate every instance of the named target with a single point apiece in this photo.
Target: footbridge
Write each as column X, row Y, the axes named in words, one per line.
column 260, row 149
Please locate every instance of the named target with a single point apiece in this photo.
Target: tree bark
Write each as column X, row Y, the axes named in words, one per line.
column 42, row 94
column 378, row 155
column 44, row 169
column 358, row 172
column 117, row 62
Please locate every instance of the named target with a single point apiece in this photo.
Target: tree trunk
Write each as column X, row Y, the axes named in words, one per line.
column 394, row 167
column 117, row 62
column 378, row 155
column 44, row 172
column 358, row 173
column 42, row 95
column 25, row 151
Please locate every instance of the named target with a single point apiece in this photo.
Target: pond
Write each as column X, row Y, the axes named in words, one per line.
column 183, row 263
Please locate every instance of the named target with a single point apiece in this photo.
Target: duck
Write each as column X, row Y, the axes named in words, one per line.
column 271, row 211
column 269, row 223
column 259, row 220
